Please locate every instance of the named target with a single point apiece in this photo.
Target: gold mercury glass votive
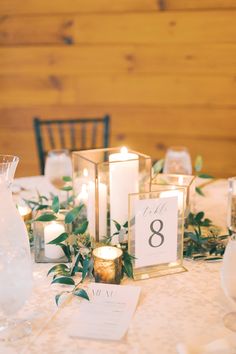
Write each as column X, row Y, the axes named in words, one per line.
column 107, row 264
column 26, row 214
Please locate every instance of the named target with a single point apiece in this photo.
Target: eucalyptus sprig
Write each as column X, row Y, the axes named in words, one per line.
column 198, row 165
column 202, row 239
column 77, row 245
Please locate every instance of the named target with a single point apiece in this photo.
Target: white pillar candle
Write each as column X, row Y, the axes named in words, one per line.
column 102, row 204
column 52, row 231
column 124, row 179
column 83, row 195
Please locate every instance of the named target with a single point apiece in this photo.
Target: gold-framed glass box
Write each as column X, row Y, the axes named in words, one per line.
column 102, row 180
column 156, row 229
column 177, row 180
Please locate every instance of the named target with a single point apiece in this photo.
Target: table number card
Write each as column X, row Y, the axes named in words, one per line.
column 156, row 231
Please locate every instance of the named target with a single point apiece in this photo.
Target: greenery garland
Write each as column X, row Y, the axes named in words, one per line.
column 201, row 239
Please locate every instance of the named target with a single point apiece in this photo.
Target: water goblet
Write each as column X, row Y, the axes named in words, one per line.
column 228, row 280
column 231, row 212
column 15, row 258
column 177, row 161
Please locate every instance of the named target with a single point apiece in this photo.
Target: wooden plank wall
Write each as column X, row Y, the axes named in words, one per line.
column 165, row 70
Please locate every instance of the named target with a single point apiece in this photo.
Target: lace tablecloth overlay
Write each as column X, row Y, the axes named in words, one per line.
column 185, row 307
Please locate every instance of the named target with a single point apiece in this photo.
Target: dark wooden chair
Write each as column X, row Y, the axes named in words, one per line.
column 71, row 134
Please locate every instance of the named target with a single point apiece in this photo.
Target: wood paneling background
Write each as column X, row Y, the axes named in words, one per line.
column 164, row 70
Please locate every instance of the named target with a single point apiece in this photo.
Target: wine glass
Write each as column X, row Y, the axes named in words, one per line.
column 58, row 164
column 231, row 213
column 15, row 258
column 177, row 161
column 228, row 280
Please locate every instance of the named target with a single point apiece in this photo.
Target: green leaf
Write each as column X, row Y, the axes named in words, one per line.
column 66, row 188
column 66, row 250
column 158, row 166
column 58, row 268
column 82, row 228
column 125, row 225
column 204, row 175
column 117, row 225
column 57, row 297
column 55, row 204
column 82, row 293
column 85, row 267
column 72, row 215
column 67, row 179
column 63, row 280
column 193, row 236
column 46, row 217
column 61, row 238
column 199, row 191
column 199, row 216
column 42, row 206
column 128, row 269
column 198, row 163
column 76, row 267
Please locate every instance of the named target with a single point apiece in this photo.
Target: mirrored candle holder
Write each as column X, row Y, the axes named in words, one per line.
column 231, row 212
column 102, row 181
column 107, row 264
column 176, row 180
column 45, row 232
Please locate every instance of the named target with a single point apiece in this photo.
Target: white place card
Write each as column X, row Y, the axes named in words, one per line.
column 156, row 231
column 108, row 313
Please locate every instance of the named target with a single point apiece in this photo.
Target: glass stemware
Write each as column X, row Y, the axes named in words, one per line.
column 228, row 280
column 58, row 164
column 231, row 214
column 15, row 259
column 177, row 161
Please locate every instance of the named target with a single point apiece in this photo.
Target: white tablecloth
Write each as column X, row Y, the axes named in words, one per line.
column 185, row 307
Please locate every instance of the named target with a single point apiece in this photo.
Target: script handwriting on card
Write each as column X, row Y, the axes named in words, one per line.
column 158, row 209
column 99, row 292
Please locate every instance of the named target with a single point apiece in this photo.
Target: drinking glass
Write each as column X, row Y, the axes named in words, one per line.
column 15, row 258
column 58, row 164
column 231, row 212
column 228, row 280
column 177, row 161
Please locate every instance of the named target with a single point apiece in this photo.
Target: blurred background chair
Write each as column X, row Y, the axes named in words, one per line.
column 71, row 134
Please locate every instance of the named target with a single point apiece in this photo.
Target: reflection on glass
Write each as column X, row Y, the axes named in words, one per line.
column 58, row 164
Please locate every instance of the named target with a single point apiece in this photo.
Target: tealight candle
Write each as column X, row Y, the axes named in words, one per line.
column 52, row 231
column 107, row 264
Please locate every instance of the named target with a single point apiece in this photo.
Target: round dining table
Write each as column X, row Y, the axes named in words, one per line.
column 177, row 313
